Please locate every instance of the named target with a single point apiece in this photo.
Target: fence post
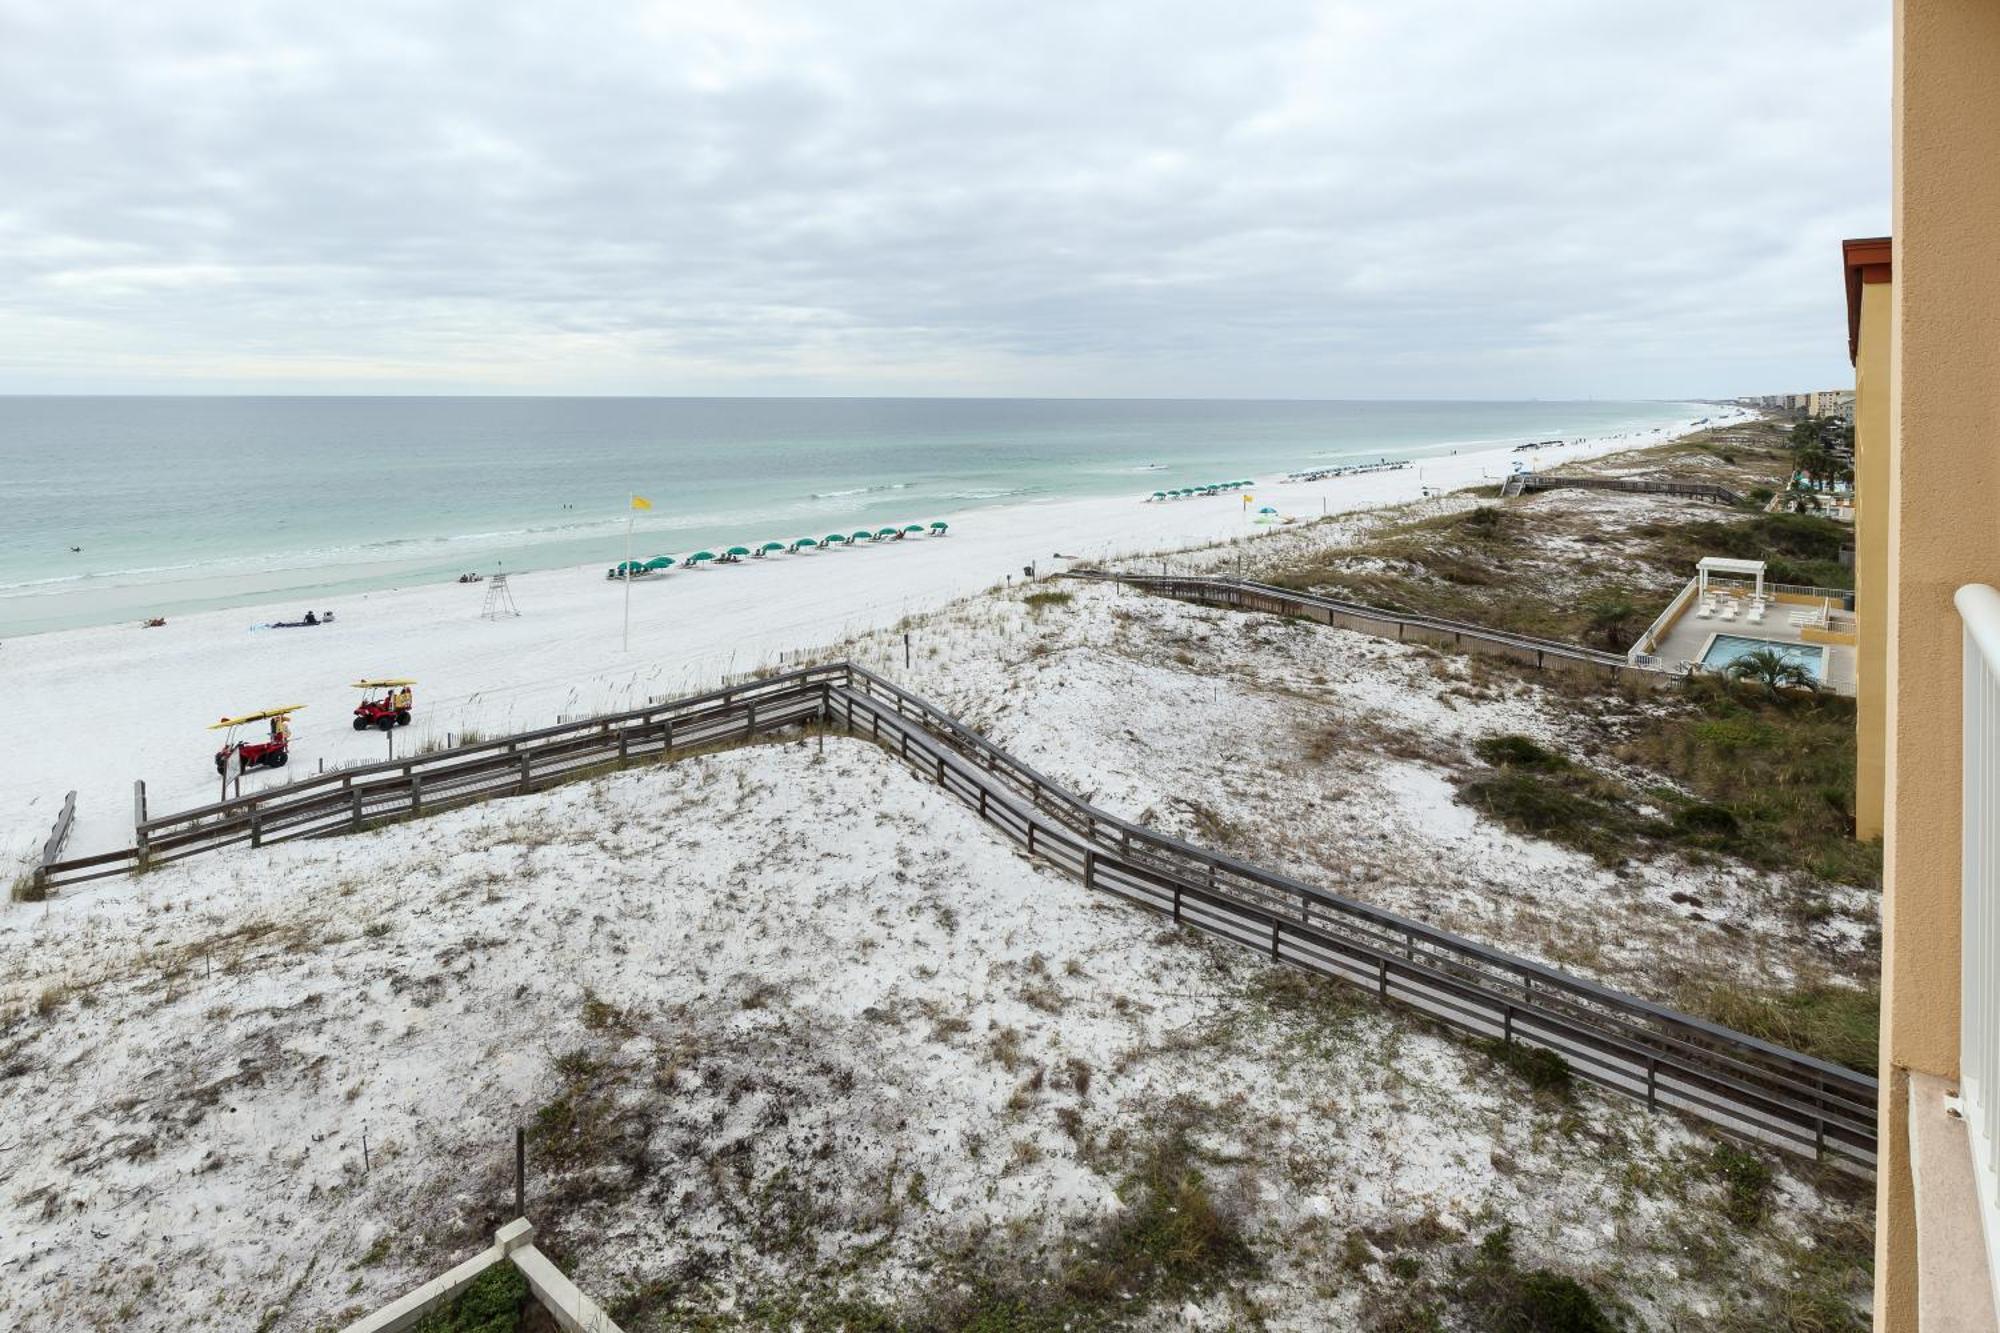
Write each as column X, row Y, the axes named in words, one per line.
column 1089, row 868
column 1652, row 1080
column 355, row 792
column 750, row 731
column 256, row 826
column 139, row 819
column 624, row 749
column 940, row 759
column 667, row 736
column 527, row 771
column 416, row 794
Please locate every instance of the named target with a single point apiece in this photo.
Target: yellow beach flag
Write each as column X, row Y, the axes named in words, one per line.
column 1248, row 498
column 641, row 502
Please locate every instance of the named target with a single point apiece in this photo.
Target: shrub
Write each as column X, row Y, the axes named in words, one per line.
column 1746, row 1184
column 1504, row 1299
column 1039, row 600
column 1539, row 1067
column 1515, row 752
column 492, row 1304
column 1703, row 820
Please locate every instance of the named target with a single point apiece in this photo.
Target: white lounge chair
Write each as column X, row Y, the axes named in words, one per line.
column 1729, row 610
column 1756, row 615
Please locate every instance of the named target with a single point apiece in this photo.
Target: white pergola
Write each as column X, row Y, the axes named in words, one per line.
column 1717, row 564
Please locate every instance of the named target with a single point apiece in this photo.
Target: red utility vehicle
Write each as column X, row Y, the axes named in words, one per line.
column 386, row 705
column 271, row 752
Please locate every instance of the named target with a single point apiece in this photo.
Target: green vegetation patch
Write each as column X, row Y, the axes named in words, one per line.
column 1837, row 1023
column 1796, row 548
column 1486, row 1288
column 492, row 1304
column 1539, row 1067
column 1047, row 598
column 1534, row 791
column 1782, row 768
column 1505, row 1298
column 1767, row 780
column 1745, row 1181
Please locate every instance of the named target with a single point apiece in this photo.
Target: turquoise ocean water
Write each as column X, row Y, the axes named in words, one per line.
column 181, row 504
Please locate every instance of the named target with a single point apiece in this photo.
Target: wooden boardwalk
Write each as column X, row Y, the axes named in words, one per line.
column 1380, row 622
column 1666, row 1059
column 1692, row 490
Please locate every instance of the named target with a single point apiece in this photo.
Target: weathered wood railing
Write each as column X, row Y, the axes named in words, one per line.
column 1647, row 1051
column 1379, row 622
column 1693, row 490
column 52, row 846
column 348, row 799
column 1664, row 1058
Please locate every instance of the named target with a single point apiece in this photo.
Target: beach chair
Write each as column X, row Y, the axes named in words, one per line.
column 1729, row 610
column 1705, row 611
column 1756, row 614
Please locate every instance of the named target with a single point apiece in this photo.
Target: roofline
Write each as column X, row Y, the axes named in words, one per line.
column 1867, row 259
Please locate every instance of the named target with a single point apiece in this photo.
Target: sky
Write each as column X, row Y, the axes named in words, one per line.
column 1345, row 199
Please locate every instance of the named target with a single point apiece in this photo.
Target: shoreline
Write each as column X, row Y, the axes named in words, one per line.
column 118, row 702
column 321, row 546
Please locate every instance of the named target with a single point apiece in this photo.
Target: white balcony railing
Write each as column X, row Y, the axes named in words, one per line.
column 1979, row 928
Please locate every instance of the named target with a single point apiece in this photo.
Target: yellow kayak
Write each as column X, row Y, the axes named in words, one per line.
column 254, row 717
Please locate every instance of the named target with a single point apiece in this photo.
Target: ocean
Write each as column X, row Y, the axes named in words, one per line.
column 178, row 504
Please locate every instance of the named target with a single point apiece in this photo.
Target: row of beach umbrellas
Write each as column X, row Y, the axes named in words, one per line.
column 635, row 568
column 1212, row 488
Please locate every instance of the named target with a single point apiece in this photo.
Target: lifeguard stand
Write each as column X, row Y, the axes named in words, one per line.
column 499, row 600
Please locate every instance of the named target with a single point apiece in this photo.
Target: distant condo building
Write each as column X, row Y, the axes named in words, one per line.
column 1817, row 403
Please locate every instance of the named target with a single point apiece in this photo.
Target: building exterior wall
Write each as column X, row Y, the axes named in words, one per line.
column 1871, row 553
column 1943, row 497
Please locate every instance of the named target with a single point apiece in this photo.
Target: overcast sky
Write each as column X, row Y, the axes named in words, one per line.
column 1383, row 198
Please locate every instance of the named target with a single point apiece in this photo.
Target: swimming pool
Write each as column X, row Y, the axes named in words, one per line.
column 1726, row 648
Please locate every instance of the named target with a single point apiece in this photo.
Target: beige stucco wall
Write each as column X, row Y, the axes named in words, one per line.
column 1944, row 496
column 1871, row 551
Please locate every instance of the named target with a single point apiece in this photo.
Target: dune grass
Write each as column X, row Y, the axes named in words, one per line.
column 1783, row 768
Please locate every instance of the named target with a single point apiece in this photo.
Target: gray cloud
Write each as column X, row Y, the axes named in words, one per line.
column 1408, row 198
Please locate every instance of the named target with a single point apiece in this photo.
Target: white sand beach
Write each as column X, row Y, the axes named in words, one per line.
column 115, row 703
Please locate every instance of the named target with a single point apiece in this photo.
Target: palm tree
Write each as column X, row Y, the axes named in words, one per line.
column 1773, row 670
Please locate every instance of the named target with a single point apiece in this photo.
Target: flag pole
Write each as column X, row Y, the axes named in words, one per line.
column 630, row 510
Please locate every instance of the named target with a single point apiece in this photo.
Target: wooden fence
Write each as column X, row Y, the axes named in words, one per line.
column 353, row 798
column 1404, row 627
column 1667, row 1059
column 1695, row 490
column 52, row 846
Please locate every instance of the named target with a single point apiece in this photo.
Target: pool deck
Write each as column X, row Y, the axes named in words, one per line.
column 1687, row 640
